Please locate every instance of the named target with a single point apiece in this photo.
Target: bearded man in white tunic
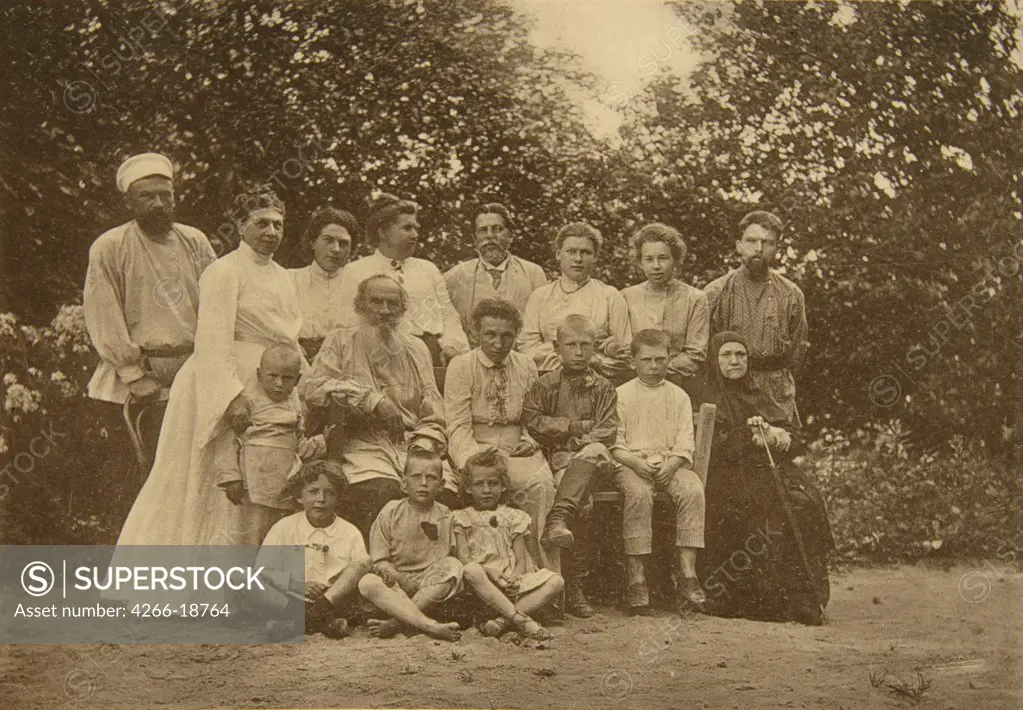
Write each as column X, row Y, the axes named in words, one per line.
column 375, row 383
column 142, row 293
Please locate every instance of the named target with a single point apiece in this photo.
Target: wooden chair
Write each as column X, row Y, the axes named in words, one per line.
column 701, row 460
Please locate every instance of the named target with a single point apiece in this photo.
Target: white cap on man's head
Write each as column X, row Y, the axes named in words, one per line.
column 143, row 165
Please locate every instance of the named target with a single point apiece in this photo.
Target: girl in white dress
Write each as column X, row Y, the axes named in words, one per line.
column 490, row 540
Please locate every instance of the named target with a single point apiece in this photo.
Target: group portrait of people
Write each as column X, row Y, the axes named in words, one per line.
column 433, row 440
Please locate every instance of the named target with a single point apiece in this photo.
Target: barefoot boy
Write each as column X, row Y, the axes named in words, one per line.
column 253, row 467
column 654, row 450
column 411, row 541
column 572, row 413
column 337, row 566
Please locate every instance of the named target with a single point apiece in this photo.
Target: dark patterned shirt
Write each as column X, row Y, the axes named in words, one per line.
column 555, row 401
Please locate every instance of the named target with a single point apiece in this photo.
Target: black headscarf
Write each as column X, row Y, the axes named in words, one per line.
column 738, row 400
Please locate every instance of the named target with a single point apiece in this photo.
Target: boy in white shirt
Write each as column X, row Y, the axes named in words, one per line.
column 338, row 581
column 654, row 450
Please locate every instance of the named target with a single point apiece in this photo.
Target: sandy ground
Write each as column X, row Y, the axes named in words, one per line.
column 961, row 629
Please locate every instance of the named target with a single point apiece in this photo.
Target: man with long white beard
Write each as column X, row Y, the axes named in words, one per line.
column 378, row 381
column 765, row 308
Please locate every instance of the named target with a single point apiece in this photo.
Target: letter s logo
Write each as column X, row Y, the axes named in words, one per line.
column 40, row 578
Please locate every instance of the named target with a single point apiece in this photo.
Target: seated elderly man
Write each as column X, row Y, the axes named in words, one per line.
column 379, row 380
column 483, row 396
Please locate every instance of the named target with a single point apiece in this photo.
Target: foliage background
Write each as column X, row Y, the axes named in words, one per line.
column 885, row 134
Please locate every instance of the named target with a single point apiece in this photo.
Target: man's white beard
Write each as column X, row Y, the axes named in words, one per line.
column 384, row 339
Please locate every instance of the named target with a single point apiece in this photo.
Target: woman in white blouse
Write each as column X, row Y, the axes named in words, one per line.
column 577, row 247
column 330, row 236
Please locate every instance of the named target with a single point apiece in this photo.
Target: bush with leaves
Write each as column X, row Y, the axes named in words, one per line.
column 889, row 502
column 61, row 474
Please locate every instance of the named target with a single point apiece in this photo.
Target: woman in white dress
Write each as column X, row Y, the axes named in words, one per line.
column 246, row 303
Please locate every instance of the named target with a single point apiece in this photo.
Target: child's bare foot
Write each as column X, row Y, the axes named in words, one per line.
column 450, row 631
column 384, row 629
column 494, row 627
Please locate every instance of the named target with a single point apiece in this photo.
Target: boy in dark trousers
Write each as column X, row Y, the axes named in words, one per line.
column 572, row 412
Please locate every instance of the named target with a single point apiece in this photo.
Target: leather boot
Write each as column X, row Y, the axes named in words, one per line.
column 576, row 602
column 574, row 489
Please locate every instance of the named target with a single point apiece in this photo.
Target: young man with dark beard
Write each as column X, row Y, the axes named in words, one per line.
column 764, row 307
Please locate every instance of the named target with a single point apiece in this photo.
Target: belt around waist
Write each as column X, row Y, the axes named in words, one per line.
column 170, row 351
column 768, row 363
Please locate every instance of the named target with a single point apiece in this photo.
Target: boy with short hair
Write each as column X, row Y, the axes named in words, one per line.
column 572, row 412
column 337, row 567
column 253, row 466
column 654, row 451
column 411, row 541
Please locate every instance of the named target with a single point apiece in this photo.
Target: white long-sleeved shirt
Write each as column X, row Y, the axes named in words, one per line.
column 246, row 297
column 470, row 392
column 140, row 294
column 547, row 307
column 655, row 419
column 429, row 306
column 329, row 551
column 320, row 298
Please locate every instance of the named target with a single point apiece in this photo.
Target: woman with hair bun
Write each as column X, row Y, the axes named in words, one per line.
column 393, row 228
column 330, row 237
column 246, row 303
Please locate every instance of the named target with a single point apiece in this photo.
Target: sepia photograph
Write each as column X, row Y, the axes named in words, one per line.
column 568, row 354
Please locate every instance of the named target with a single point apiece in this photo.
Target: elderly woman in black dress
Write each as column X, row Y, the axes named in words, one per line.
column 768, row 535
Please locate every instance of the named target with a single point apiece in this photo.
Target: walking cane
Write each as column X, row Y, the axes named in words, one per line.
column 134, row 425
column 786, row 505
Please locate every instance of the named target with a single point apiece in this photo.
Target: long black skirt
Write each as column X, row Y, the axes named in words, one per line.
column 752, row 566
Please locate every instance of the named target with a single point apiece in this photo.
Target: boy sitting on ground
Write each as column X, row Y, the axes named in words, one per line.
column 572, row 413
column 338, row 581
column 411, row 541
column 253, row 466
column 654, row 451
